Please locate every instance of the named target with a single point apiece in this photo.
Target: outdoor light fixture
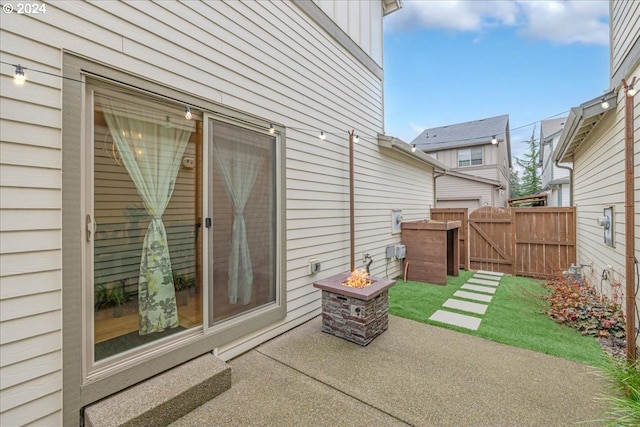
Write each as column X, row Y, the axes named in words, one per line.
column 322, row 135
column 604, row 104
column 356, row 138
column 271, row 128
column 629, row 88
column 187, row 112
column 413, row 148
column 19, row 77
column 494, row 140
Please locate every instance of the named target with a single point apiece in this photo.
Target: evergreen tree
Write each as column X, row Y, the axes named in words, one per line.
column 530, row 181
column 514, row 184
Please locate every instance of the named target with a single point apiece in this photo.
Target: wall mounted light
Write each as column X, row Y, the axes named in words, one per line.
column 629, row 88
column 322, row 136
column 494, row 140
column 604, row 104
column 271, row 128
column 19, row 76
column 187, row 112
column 413, row 148
column 356, row 138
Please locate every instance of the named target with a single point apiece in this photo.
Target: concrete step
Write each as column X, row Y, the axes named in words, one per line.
column 471, row 307
column 473, row 296
column 474, row 280
column 490, row 273
column 451, row 318
column 478, row 288
column 161, row 400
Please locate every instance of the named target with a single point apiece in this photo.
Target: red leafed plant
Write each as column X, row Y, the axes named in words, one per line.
column 583, row 309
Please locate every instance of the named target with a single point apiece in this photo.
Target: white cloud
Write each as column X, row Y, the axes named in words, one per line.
column 559, row 21
column 567, row 22
column 453, row 15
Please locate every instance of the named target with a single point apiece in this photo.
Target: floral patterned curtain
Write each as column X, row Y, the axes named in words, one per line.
column 152, row 153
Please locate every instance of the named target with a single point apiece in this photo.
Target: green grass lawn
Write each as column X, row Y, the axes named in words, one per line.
column 515, row 316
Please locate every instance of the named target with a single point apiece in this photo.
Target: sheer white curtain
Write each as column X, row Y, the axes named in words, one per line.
column 151, row 149
column 239, row 164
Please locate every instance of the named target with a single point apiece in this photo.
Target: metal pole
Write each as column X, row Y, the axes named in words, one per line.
column 351, row 204
column 629, row 220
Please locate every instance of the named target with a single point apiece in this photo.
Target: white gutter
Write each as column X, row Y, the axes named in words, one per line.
column 399, row 145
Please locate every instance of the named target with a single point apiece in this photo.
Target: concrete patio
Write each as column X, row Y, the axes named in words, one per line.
column 412, row 374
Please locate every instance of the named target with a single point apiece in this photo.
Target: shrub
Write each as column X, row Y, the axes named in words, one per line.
column 583, row 309
column 624, row 377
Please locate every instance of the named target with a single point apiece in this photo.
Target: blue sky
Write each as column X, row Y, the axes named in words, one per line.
column 448, row 62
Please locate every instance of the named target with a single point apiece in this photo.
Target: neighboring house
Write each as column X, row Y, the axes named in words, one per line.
column 594, row 140
column 478, row 154
column 136, row 238
column 554, row 178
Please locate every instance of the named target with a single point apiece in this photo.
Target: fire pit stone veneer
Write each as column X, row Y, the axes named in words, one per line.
column 355, row 314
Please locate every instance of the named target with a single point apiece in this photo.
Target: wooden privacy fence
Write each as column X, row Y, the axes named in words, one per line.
column 534, row 242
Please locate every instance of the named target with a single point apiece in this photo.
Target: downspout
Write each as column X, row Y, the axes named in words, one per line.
column 570, row 169
column 435, row 192
column 352, row 239
column 629, row 220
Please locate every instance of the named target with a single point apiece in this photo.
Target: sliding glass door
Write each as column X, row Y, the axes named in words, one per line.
column 181, row 226
column 241, row 187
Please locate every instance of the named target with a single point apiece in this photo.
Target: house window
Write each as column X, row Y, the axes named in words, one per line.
column 174, row 239
column 470, row 157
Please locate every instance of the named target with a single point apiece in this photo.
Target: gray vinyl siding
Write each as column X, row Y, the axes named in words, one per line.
column 30, row 239
column 453, row 188
column 625, row 28
column 625, row 63
column 599, row 183
column 495, row 166
column 266, row 59
column 359, row 20
column 599, row 161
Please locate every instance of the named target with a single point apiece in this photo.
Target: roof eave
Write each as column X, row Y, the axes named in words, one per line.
column 399, row 145
column 390, row 6
column 581, row 121
column 470, row 177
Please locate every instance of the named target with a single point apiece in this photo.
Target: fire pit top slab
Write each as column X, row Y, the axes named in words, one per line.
column 334, row 284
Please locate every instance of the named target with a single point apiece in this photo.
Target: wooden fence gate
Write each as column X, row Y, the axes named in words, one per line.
column 456, row 214
column 533, row 242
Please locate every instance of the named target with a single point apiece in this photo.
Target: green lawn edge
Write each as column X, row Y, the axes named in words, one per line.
column 516, row 316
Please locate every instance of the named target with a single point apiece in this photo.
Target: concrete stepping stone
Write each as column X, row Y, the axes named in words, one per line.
column 483, row 282
column 477, row 288
column 462, row 320
column 490, row 273
column 473, row 296
column 471, row 307
column 486, row 277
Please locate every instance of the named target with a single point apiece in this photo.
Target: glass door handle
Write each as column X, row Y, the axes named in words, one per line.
column 90, row 227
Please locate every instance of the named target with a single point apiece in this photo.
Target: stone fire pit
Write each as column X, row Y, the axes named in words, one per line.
column 355, row 314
